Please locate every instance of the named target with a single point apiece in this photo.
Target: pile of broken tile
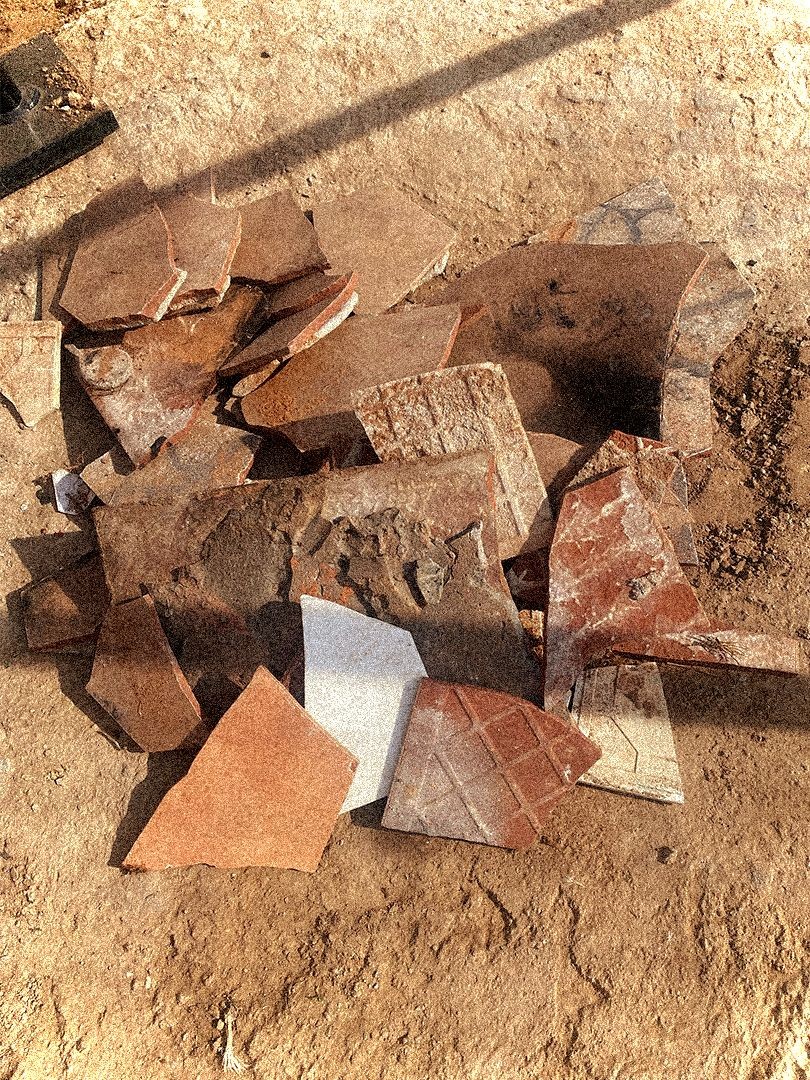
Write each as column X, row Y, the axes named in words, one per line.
column 456, row 590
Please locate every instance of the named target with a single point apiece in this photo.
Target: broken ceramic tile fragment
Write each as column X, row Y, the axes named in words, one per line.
column 124, row 275
column 278, row 242
column 150, row 386
column 623, row 710
column 305, row 292
column 137, row 680
column 292, row 334
column 392, row 243
column 66, row 608
column 613, row 573
column 360, row 680
column 265, row 790
column 646, row 214
column 482, row 766
column 558, row 459
column 205, row 239
column 71, row 494
column 594, row 322
column 458, row 409
column 720, row 648
column 30, row 361
column 310, row 400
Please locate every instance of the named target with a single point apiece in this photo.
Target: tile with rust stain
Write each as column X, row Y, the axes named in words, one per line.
column 150, row 386
column 310, row 400
column 211, row 456
column 124, row 275
column 138, row 681
column 278, row 242
column 265, row 790
column 597, row 321
column 482, row 766
column 413, row 544
column 458, row 409
column 360, row 681
column 205, row 238
column 393, row 244
column 720, row 647
column 30, row 367
column 613, row 573
column 623, row 710
column 66, row 608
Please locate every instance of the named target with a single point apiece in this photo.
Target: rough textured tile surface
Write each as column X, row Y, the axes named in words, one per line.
column 71, row 495
column 646, row 214
column 458, row 409
column 722, row 648
column 305, row 292
column 411, row 543
column 205, row 239
column 265, row 790
column 483, row 766
column 623, row 710
column 67, row 607
column 392, row 243
column 360, row 681
column 278, row 242
column 310, row 399
column 125, row 275
column 596, row 320
column 613, row 573
column 30, row 363
column 211, row 456
column 137, row 680
column 151, row 385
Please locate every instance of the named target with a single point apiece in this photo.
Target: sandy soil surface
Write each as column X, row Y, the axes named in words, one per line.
column 638, row 941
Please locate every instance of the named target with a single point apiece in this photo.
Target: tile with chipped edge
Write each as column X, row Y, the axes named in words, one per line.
column 30, row 367
column 278, row 242
column 66, row 608
column 205, row 238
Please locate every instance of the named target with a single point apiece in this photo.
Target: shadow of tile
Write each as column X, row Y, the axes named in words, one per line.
column 162, row 772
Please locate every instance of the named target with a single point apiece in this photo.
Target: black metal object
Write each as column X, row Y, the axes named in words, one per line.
column 47, row 116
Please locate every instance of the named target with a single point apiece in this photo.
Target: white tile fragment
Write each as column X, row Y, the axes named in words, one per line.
column 71, row 495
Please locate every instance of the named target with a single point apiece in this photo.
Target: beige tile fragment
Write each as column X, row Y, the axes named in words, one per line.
column 30, row 359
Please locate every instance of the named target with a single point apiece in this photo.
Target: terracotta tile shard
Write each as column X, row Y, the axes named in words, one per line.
column 71, row 494
column 137, row 680
column 310, row 400
column 66, row 608
column 458, row 409
column 293, row 334
column 211, row 456
column 613, row 574
column 623, row 710
column 482, row 766
column 558, row 459
column 278, row 242
column 150, row 386
column 305, row 292
column 125, row 275
column 594, row 321
column 360, row 681
column 721, row 648
column 205, row 239
column 265, row 790
column 411, row 543
column 30, row 360
column 392, row 243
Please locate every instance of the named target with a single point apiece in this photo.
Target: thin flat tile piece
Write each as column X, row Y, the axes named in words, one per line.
column 205, row 239
column 721, row 648
column 595, row 321
column 310, row 400
column 613, row 573
column 646, row 214
column 413, row 544
column 211, row 456
column 150, row 386
column 137, row 680
column 30, row 363
column 66, row 608
column 482, row 766
column 124, row 275
column 392, row 243
column 458, row 409
column 305, row 292
column 278, row 242
column 623, row 710
column 265, row 790
column 71, row 495
column 360, row 681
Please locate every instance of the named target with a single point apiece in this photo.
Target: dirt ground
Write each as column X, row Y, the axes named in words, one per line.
column 638, row 941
